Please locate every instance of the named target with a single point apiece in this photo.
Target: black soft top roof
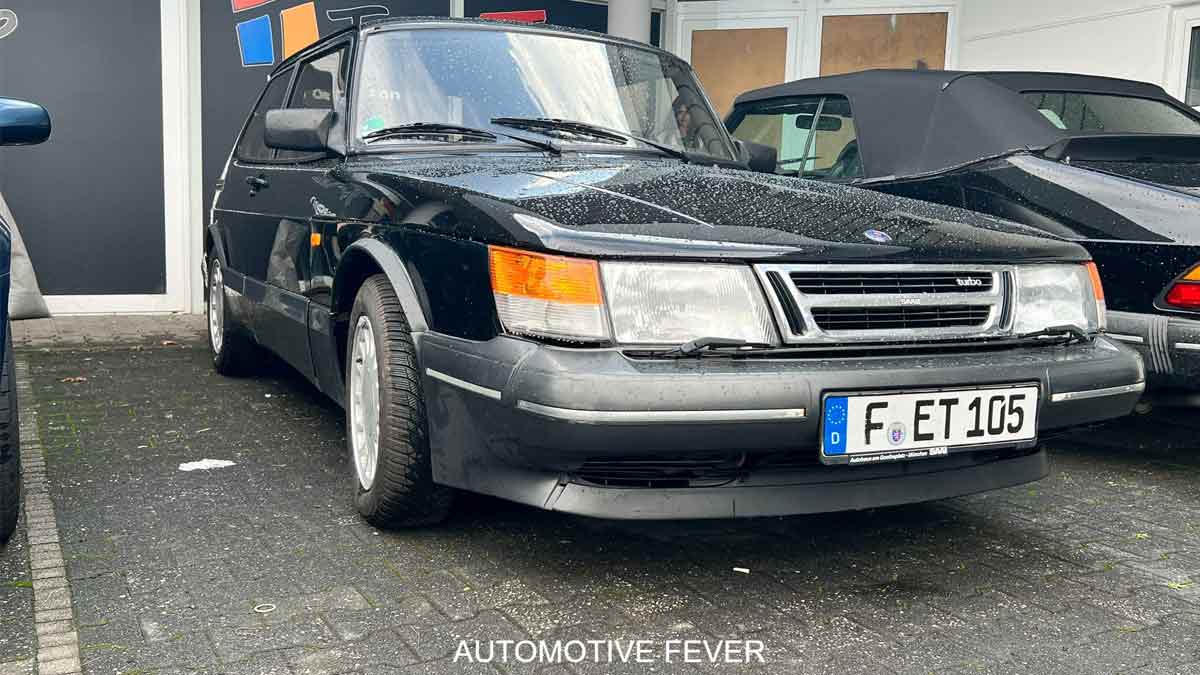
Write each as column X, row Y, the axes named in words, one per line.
column 913, row 122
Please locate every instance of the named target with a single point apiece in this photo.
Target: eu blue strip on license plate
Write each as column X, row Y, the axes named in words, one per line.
column 836, row 414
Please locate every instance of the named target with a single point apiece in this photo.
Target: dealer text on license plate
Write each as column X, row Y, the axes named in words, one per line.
column 863, row 428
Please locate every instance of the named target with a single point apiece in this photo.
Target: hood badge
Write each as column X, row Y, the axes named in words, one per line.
column 878, row 235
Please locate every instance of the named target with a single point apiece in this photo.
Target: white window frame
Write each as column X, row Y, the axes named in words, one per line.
column 1183, row 20
column 812, row 57
column 182, row 179
column 804, row 46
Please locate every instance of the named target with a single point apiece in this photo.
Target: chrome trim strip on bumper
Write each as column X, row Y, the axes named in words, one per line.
column 1135, row 339
column 660, row 416
column 1097, row 393
column 1189, row 346
column 463, row 384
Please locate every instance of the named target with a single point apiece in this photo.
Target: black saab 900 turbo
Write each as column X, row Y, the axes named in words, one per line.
column 1112, row 164
column 530, row 263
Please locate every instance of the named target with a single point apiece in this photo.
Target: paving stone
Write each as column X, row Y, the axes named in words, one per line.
column 1089, row 571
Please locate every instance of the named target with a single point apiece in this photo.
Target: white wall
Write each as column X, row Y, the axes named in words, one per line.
column 1118, row 38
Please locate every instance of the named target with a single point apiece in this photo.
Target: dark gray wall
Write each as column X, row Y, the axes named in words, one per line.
column 90, row 201
column 229, row 90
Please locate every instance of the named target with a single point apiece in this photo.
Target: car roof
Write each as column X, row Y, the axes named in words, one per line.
column 372, row 25
column 913, row 122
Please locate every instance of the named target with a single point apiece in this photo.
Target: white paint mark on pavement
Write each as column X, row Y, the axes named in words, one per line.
column 206, row 465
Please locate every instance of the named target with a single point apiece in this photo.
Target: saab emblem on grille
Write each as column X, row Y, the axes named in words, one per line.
column 878, row 235
column 968, row 281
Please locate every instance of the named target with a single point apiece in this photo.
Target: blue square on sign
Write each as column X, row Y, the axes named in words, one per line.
column 257, row 41
column 836, row 409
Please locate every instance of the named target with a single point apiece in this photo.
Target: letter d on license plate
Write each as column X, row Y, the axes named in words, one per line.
column 864, row 428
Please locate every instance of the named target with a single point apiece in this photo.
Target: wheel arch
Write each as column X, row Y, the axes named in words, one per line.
column 362, row 259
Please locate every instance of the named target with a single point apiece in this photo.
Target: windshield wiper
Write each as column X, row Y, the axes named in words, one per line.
column 446, row 129
column 1069, row 333
column 587, row 129
column 703, row 344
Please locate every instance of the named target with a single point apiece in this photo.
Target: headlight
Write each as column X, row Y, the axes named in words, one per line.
column 670, row 303
column 1058, row 295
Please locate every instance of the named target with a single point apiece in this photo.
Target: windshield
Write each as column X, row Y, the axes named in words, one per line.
column 1108, row 113
column 469, row 77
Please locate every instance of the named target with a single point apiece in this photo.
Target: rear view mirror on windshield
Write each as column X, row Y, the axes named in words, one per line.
column 23, row 123
column 824, row 123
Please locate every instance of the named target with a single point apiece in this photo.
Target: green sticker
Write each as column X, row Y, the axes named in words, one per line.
column 372, row 124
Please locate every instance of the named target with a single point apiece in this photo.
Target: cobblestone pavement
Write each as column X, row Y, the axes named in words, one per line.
column 1095, row 569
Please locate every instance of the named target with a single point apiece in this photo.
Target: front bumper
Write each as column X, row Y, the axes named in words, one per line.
column 584, row 431
column 1170, row 346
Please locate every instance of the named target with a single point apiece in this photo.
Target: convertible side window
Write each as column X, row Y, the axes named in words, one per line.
column 252, row 148
column 320, row 83
column 814, row 136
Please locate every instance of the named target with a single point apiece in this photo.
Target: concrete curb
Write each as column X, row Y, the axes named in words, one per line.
column 53, row 611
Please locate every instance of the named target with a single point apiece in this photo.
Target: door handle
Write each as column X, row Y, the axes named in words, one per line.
column 257, row 183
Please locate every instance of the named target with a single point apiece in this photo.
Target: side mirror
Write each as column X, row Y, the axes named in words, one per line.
column 758, row 157
column 23, row 123
column 300, row 129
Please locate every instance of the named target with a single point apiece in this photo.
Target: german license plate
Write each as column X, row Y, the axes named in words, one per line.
column 865, row 428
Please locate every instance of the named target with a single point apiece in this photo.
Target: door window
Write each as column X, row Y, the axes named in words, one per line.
column 1110, row 113
column 252, row 148
column 814, row 136
column 320, row 83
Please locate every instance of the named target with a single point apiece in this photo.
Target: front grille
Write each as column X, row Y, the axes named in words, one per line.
column 888, row 318
column 889, row 303
column 871, row 283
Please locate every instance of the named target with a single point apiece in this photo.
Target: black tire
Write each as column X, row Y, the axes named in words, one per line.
column 402, row 492
column 236, row 354
column 10, row 445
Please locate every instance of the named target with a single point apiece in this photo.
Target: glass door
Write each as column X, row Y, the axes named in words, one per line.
column 1186, row 47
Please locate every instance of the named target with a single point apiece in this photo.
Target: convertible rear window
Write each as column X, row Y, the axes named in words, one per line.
column 814, row 135
column 1109, row 113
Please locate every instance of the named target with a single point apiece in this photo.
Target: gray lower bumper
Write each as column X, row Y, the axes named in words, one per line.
column 1170, row 346
column 518, row 420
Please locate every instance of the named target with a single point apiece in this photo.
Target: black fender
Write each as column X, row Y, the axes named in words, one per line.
column 387, row 260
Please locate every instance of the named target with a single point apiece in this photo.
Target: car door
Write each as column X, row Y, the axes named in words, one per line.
column 238, row 208
column 291, row 199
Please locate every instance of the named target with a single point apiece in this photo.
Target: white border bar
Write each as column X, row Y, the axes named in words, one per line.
column 463, row 384
column 1097, row 393
column 661, row 416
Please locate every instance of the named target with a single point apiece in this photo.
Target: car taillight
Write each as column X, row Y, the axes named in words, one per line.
column 1185, row 292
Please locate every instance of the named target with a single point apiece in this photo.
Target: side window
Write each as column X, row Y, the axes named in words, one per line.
column 252, row 148
column 814, row 136
column 320, row 83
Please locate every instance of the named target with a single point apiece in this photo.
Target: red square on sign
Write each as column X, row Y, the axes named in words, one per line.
column 523, row 16
column 243, row 5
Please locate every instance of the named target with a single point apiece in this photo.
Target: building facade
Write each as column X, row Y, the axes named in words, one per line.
column 147, row 95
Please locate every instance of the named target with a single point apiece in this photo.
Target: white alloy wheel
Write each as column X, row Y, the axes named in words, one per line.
column 364, row 403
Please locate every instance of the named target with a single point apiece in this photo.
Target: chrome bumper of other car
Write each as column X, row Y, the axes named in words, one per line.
column 537, row 424
column 1170, row 346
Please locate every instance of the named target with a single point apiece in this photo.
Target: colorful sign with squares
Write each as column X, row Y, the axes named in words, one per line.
column 243, row 5
column 257, row 42
column 298, row 29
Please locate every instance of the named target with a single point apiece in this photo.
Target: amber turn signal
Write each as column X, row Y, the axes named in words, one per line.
column 544, row 277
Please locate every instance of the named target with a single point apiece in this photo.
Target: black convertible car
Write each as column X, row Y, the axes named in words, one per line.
column 531, row 263
column 1112, row 164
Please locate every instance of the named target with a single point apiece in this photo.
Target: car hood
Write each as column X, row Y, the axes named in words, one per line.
column 615, row 206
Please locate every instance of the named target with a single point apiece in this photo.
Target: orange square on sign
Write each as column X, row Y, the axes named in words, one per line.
column 299, row 27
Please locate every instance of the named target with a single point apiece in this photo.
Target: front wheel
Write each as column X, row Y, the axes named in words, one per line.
column 232, row 353
column 10, row 445
column 386, row 427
